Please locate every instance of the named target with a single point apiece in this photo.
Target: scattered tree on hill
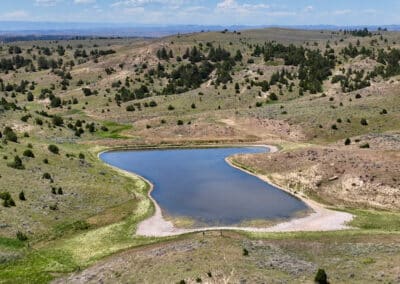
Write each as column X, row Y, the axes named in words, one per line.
column 54, row 149
column 28, row 153
column 57, row 120
column 8, row 201
column 16, row 164
column 22, row 196
column 21, row 236
column 321, row 277
column 9, row 134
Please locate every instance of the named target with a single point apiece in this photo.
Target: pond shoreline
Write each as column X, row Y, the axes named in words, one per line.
column 321, row 219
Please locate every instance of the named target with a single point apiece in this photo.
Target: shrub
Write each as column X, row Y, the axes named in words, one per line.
column 16, row 164
column 28, row 153
column 245, row 252
column 54, row 149
column 53, row 207
column 152, row 104
column 193, row 106
column 87, row 92
column 81, row 156
column 9, row 202
column 364, row 146
column 171, row 107
column 347, row 141
column 364, row 122
column 21, row 236
column 273, row 97
column 30, row 97
column 57, row 120
column 321, row 277
column 46, row 176
column 38, row 121
column 25, row 118
column 60, row 191
column 180, row 122
column 10, row 135
column 130, row 108
column 22, row 196
column 334, row 127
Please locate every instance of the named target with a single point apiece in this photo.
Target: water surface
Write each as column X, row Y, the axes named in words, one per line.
column 199, row 184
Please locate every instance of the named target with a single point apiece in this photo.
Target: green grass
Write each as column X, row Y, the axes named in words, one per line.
column 10, row 243
column 114, row 130
column 375, row 220
column 77, row 251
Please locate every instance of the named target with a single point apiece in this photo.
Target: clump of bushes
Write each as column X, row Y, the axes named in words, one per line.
column 321, row 277
column 22, row 196
column 9, row 135
column 273, row 97
column 58, row 191
column 130, row 108
column 21, row 236
column 16, row 164
column 8, row 201
column 28, row 153
column 57, row 120
column 364, row 122
column 47, row 176
column 54, row 149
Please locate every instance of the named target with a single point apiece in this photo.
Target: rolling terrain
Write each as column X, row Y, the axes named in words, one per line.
column 330, row 100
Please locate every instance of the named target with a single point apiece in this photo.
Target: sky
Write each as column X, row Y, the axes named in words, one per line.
column 205, row 12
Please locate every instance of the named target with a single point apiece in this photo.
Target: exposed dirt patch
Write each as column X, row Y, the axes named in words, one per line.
column 340, row 176
column 219, row 258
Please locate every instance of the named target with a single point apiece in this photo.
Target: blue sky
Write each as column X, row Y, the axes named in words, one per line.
column 206, row 12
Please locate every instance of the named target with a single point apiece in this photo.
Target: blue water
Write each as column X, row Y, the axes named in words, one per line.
column 199, row 184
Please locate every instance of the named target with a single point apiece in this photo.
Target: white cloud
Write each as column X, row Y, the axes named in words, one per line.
column 15, row 15
column 342, row 12
column 137, row 3
column 281, row 13
column 228, row 4
column 232, row 5
column 133, row 10
column 46, row 3
column 308, row 9
column 84, row 1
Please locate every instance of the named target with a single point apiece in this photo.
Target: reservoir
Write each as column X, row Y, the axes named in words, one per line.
column 199, row 184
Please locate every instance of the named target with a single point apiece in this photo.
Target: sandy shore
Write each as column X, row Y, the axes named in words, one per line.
column 322, row 219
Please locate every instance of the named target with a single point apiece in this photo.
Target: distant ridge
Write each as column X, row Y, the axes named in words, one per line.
column 38, row 30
